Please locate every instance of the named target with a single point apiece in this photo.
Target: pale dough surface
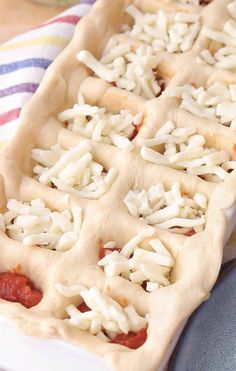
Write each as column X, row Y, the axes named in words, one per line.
column 198, row 258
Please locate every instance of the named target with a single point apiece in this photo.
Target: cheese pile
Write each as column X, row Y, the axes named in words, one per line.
column 184, row 149
column 36, row 225
column 168, row 209
column 133, row 68
column 139, row 262
column 225, row 56
column 128, row 69
column 171, row 32
column 106, row 314
column 216, row 102
column 73, row 171
column 95, row 123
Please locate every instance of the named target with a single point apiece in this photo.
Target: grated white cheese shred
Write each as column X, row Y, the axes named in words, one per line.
column 172, row 32
column 128, row 69
column 139, row 261
column 225, row 56
column 36, row 225
column 216, row 102
column 168, row 209
column 184, row 149
column 73, row 171
column 106, row 314
column 95, row 123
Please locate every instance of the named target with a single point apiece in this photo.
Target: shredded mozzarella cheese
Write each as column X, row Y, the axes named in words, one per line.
column 130, row 70
column 106, row 314
column 95, row 123
column 73, row 171
column 225, row 56
column 168, row 209
column 216, row 102
column 139, row 262
column 36, row 225
column 173, row 32
column 184, row 149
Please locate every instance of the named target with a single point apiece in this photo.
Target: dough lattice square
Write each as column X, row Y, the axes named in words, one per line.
column 83, row 212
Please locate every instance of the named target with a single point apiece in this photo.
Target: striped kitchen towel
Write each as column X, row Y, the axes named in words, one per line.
column 24, row 60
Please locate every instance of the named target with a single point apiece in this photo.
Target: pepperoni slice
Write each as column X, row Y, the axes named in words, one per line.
column 83, row 307
column 131, row 340
column 102, row 251
column 18, row 288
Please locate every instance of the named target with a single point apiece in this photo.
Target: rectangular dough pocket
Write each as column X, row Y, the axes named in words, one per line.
column 118, row 189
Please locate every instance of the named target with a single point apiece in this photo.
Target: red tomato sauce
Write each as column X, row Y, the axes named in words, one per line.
column 135, row 132
column 204, row 2
column 131, row 340
column 102, row 251
column 16, row 287
column 190, row 233
column 161, row 83
column 83, row 307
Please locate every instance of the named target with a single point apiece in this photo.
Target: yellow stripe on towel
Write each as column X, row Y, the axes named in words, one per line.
column 52, row 40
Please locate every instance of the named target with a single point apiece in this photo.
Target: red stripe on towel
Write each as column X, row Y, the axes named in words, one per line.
column 9, row 116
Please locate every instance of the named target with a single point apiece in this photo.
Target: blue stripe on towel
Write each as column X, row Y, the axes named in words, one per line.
column 31, row 62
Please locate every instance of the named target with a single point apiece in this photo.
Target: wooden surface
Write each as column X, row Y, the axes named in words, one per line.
column 18, row 16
